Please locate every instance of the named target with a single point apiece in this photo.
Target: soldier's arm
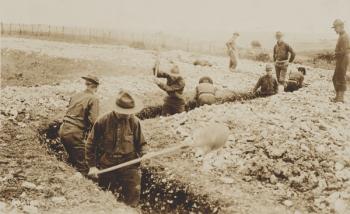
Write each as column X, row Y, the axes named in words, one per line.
column 197, row 94
column 180, row 84
column 257, row 86
column 274, row 53
column 292, row 54
column 140, row 142
column 344, row 46
column 275, row 86
column 94, row 110
column 91, row 144
column 161, row 74
column 301, row 80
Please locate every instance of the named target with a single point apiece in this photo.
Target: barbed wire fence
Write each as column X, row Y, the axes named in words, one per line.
column 156, row 41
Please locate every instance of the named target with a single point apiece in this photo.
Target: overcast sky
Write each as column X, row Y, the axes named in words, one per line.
column 182, row 16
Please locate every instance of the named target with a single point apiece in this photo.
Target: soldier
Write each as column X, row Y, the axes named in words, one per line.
column 81, row 114
column 205, row 92
column 268, row 84
column 295, row 80
column 118, row 137
column 281, row 57
column 174, row 103
column 232, row 52
column 342, row 56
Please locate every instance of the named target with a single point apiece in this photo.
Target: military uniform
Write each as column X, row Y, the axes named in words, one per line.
column 205, row 94
column 268, row 86
column 232, row 53
column 117, row 140
column 342, row 56
column 294, row 82
column 81, row 114
column 281, row 53
column 174, row 103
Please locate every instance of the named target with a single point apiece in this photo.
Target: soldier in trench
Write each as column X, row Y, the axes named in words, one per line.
column 81, row 114
column 205, row 92
column 267, row 84
column 118, row 137
column 342, row 57
column 232, row 52
column 295, row 80
column 174, row 103
column 283, row 54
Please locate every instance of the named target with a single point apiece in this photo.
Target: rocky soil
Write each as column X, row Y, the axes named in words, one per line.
column 286, row 154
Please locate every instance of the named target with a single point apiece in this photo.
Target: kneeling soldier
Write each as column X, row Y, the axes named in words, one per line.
column 81, row 114
column 296, row 80
column 205, row 92
column 267, row 83
column 118, row 137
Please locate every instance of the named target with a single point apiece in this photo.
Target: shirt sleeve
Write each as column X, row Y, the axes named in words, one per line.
column 94, row 110
column 344, row 46
column 274, row 53
column 139, row 139
column 257, row 86
column 162, row 74
column 92, row 143
column 292, row 53
column 275, row 86
column 178, row 85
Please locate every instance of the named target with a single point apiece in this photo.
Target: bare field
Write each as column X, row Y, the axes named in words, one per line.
column 286, row 154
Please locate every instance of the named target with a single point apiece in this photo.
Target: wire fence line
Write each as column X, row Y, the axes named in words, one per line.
column 155, row 41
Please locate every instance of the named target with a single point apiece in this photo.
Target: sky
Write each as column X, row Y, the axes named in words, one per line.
column 186, row 17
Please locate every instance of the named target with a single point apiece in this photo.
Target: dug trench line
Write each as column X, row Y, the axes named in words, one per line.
column 160, row 193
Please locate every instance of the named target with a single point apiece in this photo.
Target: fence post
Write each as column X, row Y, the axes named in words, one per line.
column 2, row 28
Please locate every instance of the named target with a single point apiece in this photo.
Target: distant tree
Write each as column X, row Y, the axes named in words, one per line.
column 255, row 44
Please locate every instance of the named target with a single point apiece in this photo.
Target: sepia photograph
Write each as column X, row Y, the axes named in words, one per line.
column 175, row 106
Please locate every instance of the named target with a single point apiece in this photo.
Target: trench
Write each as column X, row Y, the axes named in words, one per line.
column 160, row 194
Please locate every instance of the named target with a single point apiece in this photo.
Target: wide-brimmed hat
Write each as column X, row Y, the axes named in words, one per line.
column 268, row 67
column 127, row 104
column 337, row 22
column 279, row 34
column 92, row 79
column 206, row 78
column 175, row 71
column 236, row 34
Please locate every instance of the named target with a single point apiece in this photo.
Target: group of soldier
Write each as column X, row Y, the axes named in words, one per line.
column 94, row 142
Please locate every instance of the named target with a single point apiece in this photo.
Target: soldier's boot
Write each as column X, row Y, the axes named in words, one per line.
column 340, row 97
column 334, row 100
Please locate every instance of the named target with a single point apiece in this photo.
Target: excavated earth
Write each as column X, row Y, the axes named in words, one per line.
column 286, row 154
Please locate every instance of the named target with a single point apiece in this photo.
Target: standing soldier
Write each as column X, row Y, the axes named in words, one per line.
column 342, row 56
column 281, row 57
column 81, row 114
column 268, row 84
column 174, row 103
column 118, row 137
column 232, row 52
column 205, row 92
column 295, row 80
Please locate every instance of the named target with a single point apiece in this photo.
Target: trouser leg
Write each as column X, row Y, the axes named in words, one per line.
column 339, row 76
column 130, row 180
column 283, row 75
column 278, row 71
column 72, row 140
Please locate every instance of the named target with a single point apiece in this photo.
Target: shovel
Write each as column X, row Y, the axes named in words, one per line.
column 208, row 139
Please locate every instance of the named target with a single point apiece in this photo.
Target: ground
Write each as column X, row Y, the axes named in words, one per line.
column 286, row 154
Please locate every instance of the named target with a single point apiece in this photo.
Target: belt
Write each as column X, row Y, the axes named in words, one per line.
column 211, row 93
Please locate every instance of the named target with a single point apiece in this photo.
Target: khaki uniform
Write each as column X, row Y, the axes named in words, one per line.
column 174, row 103
column 281, row 53
column 342, row 56
column 117, row 140
column 81, row 114
column 205, row 94
column 232, row 53
column 294, row 82
column 268, row 86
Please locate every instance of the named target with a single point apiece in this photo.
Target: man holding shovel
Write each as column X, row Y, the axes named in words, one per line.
column 283, row 54
column 118, row 137
column 174, row 103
